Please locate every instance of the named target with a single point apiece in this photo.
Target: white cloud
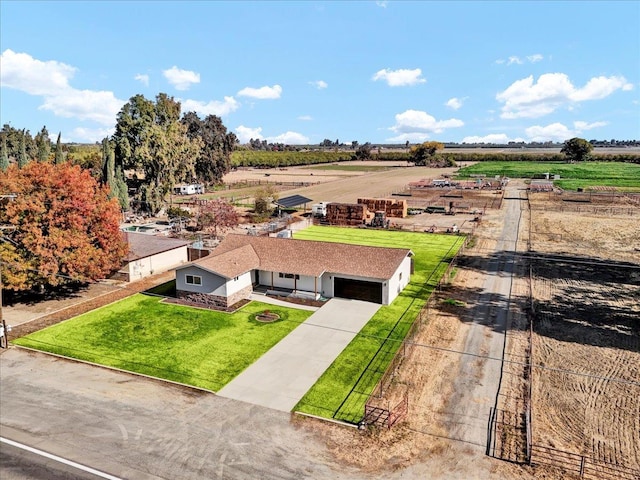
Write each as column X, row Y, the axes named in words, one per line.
column 455, row 102
column 181, row 79
column 245, row 134
column 382, row 3
column 600, row 87
column 87, row 135
column 528, row 99
column 416, row 126
column 262, row 93
column 290, row 138
column 516, row 60
column 50, row 80
column 399, row 78
column 496, row 138
column 98, row 106
column 214, row 107
column 23, row 72
column 581, row 126
column 305, row 118
column 319, row 84
column 416, row 121
column 556, row 132
column 142, row 78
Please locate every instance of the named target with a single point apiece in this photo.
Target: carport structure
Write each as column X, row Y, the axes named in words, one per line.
column 293, row 201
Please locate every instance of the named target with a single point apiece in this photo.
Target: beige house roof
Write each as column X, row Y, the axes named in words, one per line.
column 239, row 254
column 142, row 246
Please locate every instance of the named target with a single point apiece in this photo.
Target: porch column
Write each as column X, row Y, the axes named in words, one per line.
column 271, row 280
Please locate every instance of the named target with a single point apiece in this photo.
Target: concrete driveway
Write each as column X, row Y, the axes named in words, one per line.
column 281, row 377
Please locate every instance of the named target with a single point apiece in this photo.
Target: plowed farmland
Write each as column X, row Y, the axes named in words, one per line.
column 586, row 290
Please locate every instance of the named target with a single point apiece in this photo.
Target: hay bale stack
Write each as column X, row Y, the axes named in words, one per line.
column 349, row 214
column 393, row 207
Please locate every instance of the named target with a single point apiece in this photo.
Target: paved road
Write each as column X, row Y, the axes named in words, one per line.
column 477, row 381
column 137, row 428
column 281, row 377
column 25, row 463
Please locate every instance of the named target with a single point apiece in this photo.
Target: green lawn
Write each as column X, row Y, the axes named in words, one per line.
column 343, row 389
column 625, row 176
column 198, row 347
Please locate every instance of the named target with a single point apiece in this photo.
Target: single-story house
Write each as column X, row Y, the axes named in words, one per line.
column 302, row 267
column 150, row 254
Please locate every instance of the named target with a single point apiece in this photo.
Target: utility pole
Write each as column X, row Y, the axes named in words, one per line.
column 4, row 339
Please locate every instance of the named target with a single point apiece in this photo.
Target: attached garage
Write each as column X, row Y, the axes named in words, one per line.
column 357, row 289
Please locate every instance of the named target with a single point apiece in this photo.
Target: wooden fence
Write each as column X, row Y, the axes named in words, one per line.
column 373, row 412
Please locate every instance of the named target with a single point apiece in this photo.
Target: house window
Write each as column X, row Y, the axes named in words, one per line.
column 400, row 277
column 236, row 278
column 193, row 280
column 289, row 275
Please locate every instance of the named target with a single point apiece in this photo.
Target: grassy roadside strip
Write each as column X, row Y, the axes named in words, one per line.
column 343, row 389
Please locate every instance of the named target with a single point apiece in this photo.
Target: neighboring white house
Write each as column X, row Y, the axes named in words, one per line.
column 188, row 189
column 149, row 254
column 299, row 267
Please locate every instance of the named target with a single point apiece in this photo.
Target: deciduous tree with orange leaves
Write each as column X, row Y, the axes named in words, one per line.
column 58, row 226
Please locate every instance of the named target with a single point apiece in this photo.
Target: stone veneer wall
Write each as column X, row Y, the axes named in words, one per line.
column 215, row 300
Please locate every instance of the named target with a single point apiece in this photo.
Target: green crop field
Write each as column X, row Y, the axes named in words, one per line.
column 625, row 176
column 195, row 346
column 257, row 158
column 343, row 389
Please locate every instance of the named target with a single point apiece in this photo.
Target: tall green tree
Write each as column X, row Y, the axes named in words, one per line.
column 113, row 177
column 577, row 149
column 423, row 153
column 214, row 158
column 4, row 155
column 22, row 153
column 59, row 156
column 150, row 139
column 43, row 145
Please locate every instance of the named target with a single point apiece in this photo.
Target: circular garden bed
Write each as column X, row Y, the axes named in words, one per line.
column 267, row 317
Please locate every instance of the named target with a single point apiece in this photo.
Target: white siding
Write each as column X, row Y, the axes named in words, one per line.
column 158, row 263
column 242, row 281
column 396, row 284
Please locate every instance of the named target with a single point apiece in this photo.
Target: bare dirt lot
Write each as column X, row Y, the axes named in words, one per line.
column 586, row 289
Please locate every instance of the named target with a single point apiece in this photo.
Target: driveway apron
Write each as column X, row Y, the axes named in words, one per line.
column 281, row 377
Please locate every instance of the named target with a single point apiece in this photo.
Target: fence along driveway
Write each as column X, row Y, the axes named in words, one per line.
column 281, row 377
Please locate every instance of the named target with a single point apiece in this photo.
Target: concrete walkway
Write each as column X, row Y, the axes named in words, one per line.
column 281, row 377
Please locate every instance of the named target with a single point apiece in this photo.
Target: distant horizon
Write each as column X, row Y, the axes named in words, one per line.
column 297, row 72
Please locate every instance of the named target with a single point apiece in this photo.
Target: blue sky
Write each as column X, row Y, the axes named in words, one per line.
column 300, row 72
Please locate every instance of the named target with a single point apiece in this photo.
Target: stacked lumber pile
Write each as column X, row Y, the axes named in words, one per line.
column 393, row 207
column 350, row 214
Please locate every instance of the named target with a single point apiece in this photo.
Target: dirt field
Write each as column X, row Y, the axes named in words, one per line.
column 587, row 296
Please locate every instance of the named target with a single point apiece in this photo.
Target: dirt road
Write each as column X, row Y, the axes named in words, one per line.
column 477, row 380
